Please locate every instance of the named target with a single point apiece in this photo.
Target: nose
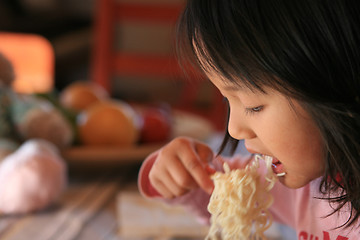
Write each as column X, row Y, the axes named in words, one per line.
column 238, row 127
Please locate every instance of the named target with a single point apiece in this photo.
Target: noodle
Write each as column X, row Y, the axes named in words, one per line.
column 240, row 201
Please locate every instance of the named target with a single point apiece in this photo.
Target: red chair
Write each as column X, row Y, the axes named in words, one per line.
column 108, row 61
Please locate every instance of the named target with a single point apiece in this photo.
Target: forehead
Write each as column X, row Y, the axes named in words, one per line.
column 226, row 86
column 234, row 84
column 223, row 73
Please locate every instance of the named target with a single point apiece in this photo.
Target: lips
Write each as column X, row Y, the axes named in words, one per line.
column 277, row 167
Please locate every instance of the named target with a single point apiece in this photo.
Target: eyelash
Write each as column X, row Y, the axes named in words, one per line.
column 253, row 110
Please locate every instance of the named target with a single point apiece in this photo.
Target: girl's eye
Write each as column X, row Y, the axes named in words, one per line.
column 253, row 110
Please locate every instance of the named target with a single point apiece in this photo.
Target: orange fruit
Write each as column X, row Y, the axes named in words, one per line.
column 108, row 123
column 80, row 95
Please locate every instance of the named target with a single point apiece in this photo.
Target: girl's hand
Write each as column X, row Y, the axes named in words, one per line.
column 182, row 165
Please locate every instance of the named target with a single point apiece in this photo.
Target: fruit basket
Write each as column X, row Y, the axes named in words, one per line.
column 184, row 124
column 109, row 155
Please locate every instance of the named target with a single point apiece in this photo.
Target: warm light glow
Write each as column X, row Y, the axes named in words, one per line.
column 33, row 59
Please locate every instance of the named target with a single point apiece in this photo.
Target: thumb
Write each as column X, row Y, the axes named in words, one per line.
column 205, row 153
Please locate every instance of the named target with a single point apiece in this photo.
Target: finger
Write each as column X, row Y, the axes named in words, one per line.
column 162, row 189
column 196, row 168
column 173, row 186
column 210, row 170
column 204, row 152
column 157, row 177
column 181, row 176
column 164, row 182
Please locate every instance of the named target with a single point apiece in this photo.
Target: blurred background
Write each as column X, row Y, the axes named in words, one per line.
column 126, row 49
column 83, row 52
column 86, row 34
column 68, row 25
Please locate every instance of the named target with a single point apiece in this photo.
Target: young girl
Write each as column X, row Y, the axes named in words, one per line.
column 290, row 71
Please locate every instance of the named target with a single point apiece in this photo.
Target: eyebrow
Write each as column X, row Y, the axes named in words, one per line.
column 242, row 88
column 233, row 88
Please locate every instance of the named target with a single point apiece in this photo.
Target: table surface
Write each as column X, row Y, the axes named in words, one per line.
column 86, row 211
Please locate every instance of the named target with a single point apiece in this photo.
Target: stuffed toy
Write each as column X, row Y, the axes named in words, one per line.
column 32, row 131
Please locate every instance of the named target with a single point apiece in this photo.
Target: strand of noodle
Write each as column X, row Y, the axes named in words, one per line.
column 239, row 202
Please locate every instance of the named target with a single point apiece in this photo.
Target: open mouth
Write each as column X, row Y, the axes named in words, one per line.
column 278, row 168
column 276, row 165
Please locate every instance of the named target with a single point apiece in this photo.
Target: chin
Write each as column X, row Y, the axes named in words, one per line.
column 291, row 183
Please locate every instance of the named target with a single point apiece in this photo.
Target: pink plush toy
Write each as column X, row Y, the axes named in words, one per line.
column 31, row 178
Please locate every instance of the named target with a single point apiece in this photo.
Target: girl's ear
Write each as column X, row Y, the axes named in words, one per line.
column 7, row 75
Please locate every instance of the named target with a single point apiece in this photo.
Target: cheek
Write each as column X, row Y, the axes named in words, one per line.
column 302, row 157
column 302, row 160
column 296, row 141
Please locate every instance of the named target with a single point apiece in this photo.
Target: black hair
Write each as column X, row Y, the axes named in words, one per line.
column 308, row 50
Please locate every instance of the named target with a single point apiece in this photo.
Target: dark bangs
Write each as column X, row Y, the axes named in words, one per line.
column 300, row 48
column 217, row 41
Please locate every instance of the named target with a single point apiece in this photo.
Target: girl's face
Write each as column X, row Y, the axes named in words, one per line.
column 274, row 125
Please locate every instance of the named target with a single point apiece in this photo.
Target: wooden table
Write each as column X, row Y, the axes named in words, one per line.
column 87, row 210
